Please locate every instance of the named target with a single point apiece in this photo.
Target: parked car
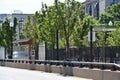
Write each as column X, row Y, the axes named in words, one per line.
column 20, row 55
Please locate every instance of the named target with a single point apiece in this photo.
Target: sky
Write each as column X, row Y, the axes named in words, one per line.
column 26, row 6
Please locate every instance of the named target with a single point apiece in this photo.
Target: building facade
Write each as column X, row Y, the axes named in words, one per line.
column 96, row 7
column 21, row 18
column 2, row 17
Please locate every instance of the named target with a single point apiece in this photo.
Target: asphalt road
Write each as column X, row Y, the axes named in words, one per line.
column 22, row 74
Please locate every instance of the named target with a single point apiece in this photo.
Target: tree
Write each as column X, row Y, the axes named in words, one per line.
column 69, row 12
column 114, row 10
column 66, row 19
column 105, row 18
column 112, row 14
column 87, row 22
column 115, row 35
column 61, row 18
column 6, row 32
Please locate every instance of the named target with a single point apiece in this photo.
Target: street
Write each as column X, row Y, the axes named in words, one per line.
column 22, row 74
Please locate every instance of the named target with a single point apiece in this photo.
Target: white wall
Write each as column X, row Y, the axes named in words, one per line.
column 41, row 51
column 102, row 6
column 2, row 53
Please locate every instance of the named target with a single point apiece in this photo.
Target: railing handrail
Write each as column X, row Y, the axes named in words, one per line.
column 99, row 65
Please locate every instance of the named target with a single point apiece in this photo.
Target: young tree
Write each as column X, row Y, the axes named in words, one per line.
column 8, row 34
column 69, row 12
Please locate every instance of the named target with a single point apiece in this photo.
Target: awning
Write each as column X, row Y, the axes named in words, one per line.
column 23, row 41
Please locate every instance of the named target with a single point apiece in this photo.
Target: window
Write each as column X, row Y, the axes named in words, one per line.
column 21, row 20
column 112, row 2
column 89, row 9
column 96, row 9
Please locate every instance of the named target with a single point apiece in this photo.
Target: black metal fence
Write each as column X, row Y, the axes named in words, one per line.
column 100, row 54
column 100, row 65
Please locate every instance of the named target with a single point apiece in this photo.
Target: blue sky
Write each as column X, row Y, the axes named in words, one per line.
column 26, row 6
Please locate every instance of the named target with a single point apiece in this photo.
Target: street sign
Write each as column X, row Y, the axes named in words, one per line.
column 102, row 29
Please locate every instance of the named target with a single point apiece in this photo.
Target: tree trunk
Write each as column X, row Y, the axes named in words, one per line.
column 36, row 51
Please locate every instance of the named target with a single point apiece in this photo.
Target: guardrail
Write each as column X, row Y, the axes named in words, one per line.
column 99, row 65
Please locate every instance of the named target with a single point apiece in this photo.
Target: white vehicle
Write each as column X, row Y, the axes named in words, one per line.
column 20, row 55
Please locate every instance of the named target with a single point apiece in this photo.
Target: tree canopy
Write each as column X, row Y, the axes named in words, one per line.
column 7, row 33
column 65, row 24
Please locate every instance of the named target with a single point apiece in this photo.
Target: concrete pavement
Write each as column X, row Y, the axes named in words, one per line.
column 22, row 74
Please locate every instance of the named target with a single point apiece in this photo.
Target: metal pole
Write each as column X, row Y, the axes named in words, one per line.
column 11, row 44
column 91, row 46
column 19, row 29
column 105, row 47
column 57, row 44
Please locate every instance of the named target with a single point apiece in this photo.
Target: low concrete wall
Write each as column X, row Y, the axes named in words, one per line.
column 10, row 64
column 111, row 75
column 37, row 67
column 57, row 69
column 95, row 74
column 87, row 73
column 42, row 67
column 2, row 63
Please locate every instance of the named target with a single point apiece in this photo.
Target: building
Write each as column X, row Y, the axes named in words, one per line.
column 2, row 17
column 96, row 7
column 21, row 17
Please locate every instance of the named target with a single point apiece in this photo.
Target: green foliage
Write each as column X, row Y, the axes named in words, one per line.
column 117, row 24
column 105, row 18
column 87, row 22
column 114, row 10
column 62, row 17
column 69, row 21
column 71, row 13
column 112, row 14
column 116, row 35
column 6, row 32
column 110, row 41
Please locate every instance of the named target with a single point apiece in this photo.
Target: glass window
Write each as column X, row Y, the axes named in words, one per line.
column 95, row 5
column 2, row 16
column 89, row 9
column 96, row 9
column 112, row 2
column 21, row 20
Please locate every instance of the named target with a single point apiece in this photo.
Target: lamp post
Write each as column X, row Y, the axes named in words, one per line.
column 11, row 39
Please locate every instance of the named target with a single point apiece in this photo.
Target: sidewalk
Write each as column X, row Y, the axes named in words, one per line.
column 22, row 74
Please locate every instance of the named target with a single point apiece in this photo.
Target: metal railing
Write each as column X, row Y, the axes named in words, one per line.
column 91, row 65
